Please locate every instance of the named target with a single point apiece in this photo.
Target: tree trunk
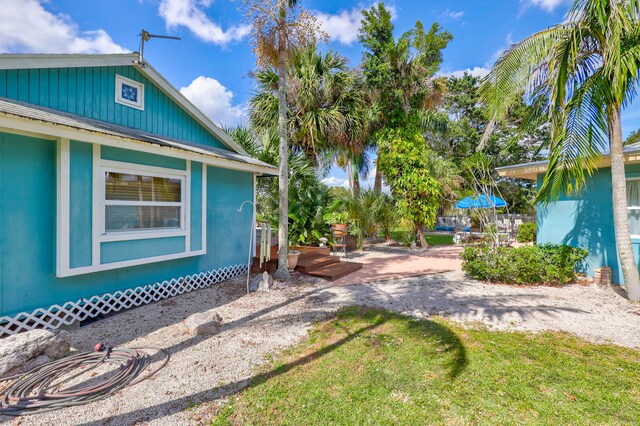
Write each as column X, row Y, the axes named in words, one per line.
column 350, row 176
column 283, row 185
column 620, row 215
column 420, row 236
column 377, row 183
column 356, row 185
column 486, row 135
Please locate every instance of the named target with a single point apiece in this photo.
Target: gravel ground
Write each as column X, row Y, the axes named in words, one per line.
column 204, row 371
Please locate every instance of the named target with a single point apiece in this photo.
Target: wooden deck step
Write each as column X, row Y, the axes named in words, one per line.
column 334, row 271
column 308, row 264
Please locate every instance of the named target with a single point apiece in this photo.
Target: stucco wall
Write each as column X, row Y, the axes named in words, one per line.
column 28, row 226
column 586, row 220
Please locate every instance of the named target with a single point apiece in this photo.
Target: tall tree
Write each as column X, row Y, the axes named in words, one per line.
column 403, row 158
column 587, row 68
column 278, row 26
column 400, row 73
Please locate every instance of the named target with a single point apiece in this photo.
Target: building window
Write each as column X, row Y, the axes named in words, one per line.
column 141, row 202
column 633, row 206
column 129, row 92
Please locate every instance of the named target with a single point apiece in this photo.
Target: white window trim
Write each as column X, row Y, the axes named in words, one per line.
column 134, row 169
column 98, row 236
column 126, row 102
column 637, row 236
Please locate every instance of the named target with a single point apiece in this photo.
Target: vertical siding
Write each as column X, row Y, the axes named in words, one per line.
column 196, row 206
column 90, row 92
column 80, row 218
column 28, row 234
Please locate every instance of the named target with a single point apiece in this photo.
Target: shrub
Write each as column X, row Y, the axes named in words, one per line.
column 526, row 233
column 385, row 215
column 543, row 264
column 337, row 217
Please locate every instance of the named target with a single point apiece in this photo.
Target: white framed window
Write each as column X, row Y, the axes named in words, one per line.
column 633, row 206
column 129, row 92
column 129, row 202
column 141, row 202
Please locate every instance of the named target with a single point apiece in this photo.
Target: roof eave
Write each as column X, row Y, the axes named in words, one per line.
column 11, row 61
column 532, row 170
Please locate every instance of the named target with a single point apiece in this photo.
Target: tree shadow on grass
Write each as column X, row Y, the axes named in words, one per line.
column 448, row 345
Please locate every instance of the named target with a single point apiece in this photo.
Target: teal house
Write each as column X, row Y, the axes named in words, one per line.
column 585, row 219
column 115, row 190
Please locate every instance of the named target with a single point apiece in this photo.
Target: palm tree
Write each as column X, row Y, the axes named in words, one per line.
column 277, row 27
column 588, row 69
column 325, row 106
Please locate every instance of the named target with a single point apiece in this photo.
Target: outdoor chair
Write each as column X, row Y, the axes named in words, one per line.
column 339, row 233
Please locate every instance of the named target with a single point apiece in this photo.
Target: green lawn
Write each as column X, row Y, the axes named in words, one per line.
column 401, row 235
column 369, row 366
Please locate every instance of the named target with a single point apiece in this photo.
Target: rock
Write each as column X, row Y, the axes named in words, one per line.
column 254, row 284
column 266, row 282
column 261, row 282
column 203, row 323
column 23, row 351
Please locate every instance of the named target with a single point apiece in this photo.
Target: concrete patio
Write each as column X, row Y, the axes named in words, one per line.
column 392, row 264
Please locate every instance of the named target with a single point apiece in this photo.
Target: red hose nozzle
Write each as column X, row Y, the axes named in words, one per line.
column 102, row 346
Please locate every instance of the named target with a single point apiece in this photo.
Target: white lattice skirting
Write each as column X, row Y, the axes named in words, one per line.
column 79, row 310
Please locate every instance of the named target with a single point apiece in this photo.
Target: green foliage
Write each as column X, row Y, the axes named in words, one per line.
column 340, row 217
column 526, row 233
column 367, row 213
column 454, row 131
column 326, row 107
column 634, row 137
column 402, row 157
column 526, row 265
column 400, row 73
column 309, row 200
column 307, row 209
column 385, row 215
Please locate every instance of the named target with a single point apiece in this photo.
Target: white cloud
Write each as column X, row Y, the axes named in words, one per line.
column 452, row 14
column 548, row 5
column 214, row 100
column 475, row 71
column 343, row 27
column 191, row 15
column 336, row 181
column 27, row 27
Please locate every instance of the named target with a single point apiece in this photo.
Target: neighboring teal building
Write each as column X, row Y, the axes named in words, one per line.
column 115, row 190
column 586, row 219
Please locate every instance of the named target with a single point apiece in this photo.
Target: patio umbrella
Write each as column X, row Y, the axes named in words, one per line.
column 481, row 202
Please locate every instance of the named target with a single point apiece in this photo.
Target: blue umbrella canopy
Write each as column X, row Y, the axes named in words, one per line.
column 482, row 201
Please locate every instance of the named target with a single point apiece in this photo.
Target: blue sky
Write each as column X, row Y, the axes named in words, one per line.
column 211, row 63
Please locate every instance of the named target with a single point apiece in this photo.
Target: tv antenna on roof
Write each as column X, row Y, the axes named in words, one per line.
column 145, row 36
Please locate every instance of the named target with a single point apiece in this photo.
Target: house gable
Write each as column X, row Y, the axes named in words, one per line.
column 90, row 91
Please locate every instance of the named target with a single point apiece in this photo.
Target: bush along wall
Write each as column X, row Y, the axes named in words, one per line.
column 526, row 233
column 528, row 265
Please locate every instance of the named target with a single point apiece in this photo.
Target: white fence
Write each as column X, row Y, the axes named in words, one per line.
column 509, row 222
column 72, row 311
